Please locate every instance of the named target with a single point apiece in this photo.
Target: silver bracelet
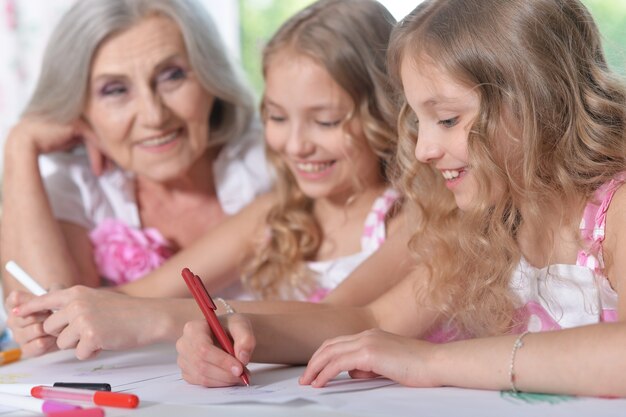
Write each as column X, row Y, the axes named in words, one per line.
column 227, row 307
column 517, row 345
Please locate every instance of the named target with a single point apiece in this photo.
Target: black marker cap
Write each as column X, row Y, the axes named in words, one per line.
column 93, row 386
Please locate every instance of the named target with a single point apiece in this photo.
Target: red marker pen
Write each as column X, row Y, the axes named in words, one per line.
column 206, row 304
column 110, row 399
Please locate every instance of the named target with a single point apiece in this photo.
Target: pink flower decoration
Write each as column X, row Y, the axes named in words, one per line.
column 124, row 254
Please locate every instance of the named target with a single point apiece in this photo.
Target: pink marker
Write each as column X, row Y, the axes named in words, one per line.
column 85, row 412
column 111, row 399
column 33, row 404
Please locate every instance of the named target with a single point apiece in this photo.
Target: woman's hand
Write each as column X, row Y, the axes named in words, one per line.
column 92, row 320
column 28, row 329
column 370, row 354
column 43, row 136
column 204, row 363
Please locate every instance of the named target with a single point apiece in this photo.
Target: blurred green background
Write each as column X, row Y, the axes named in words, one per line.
column 260, row 18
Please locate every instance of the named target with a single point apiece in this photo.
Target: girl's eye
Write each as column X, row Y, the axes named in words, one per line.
column 113, row 89
column 276, row 119
column 448, row 123
column 333, row 123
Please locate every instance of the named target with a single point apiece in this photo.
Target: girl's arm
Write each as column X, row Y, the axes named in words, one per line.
column 586, row 360
column 215, row 257
column 30, row 234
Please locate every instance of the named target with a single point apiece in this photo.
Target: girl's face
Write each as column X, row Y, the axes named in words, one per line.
column 145, row 104
column 445, row 110
column 306, row 112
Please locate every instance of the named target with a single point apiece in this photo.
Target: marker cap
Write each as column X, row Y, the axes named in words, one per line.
column 115, row 399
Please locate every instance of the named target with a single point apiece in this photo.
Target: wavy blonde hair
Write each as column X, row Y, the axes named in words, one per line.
column 538, row 64
column 349, row 39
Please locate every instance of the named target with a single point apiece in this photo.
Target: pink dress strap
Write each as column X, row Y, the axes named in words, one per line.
column 375, row 230
column 592, row 231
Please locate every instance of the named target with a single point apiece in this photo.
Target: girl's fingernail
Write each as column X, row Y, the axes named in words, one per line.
column 244, row 356
column 236, row 371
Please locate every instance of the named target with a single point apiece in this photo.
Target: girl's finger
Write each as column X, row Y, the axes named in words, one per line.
column 243, row 337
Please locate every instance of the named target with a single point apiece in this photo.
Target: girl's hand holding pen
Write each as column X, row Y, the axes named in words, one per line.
column 203, row 362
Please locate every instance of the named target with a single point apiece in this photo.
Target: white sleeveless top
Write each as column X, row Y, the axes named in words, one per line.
column 330, row 273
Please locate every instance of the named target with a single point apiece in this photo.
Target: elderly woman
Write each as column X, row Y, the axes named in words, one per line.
column 147, row 137
column 147, row 85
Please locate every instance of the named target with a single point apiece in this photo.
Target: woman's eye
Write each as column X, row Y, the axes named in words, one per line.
column 172, row 74
column 113, row 89
column 448, row 123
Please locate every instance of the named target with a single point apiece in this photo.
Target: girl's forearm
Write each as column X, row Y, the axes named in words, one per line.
column 171, row 315
column 293, row 338
column 557, row 362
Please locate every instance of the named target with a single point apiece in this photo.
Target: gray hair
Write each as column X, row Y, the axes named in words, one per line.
column 61, row 91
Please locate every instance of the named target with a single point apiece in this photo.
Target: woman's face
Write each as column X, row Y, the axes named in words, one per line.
column 306, row 124
column 145, row 103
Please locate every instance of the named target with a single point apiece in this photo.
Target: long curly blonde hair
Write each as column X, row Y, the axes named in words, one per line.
column 349, row 39
column 540, row 65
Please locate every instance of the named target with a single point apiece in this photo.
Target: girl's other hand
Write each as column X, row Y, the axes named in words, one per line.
column 370, row 354
column 203, row 362
column 28, row 330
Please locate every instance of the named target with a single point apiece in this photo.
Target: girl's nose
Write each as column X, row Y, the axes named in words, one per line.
column 298, row 143
column 427, row 149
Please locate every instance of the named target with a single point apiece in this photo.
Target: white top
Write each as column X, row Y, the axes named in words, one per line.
column 557, row 296
column 330, row 273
